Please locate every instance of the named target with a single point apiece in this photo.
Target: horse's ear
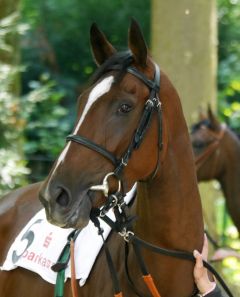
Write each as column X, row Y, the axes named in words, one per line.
column 137, row 44
column 201, row 115
column 213, row 119
column 101, row 47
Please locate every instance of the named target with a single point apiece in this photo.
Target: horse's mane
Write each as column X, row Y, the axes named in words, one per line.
column 119, row 61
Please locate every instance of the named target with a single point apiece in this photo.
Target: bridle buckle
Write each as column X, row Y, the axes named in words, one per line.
column 157, row 101
column 126, row 234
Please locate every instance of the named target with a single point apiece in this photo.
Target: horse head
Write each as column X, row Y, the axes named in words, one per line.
column 113, row 129
column 206, row 137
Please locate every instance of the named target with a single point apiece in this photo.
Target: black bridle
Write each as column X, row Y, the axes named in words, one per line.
column 151, row 105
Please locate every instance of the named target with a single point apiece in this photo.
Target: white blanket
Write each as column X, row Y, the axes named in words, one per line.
column 39, row 244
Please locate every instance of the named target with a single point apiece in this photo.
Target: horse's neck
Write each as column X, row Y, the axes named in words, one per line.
column 169, row 206
column 230, row 178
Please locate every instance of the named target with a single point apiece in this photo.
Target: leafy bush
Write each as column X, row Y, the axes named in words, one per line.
column 56, row 52
column 229, row 62
column 47, row 122
column 13, row 168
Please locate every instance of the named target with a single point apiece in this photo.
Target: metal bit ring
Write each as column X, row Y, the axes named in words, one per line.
column 104, row 187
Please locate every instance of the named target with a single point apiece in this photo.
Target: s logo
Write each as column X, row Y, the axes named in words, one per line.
column 29, row 236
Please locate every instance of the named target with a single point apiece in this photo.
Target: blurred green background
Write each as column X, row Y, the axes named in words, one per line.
column 52, row 63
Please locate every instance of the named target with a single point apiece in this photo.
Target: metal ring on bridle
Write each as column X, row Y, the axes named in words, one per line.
column 104, row 187
column 113, row 174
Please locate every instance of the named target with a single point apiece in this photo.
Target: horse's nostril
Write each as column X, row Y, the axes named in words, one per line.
column 63, row 198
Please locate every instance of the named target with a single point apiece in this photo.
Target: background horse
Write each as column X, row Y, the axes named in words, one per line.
column 168, row 205
column 217, row 152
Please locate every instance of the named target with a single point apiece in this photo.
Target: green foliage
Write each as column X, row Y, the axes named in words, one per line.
column 59, row 35
column 230, row 267
column 57, row 56
column 229, row 62
column 230, row 111
column 46, row 118
column 13, row 169
column 10, row 26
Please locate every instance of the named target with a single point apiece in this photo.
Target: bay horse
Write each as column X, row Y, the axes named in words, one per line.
column 217, row 152
column 167, row 205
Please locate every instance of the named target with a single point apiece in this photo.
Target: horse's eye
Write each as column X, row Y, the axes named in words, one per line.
column 125, row 108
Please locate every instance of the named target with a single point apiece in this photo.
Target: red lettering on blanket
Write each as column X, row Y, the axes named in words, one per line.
column 47, row 240
column 31, row 256
column 38, row 259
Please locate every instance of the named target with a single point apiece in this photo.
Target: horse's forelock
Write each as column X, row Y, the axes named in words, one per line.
column 120, row 59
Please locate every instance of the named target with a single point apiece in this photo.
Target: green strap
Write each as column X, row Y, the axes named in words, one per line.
column 62, row 263
column 59, row 287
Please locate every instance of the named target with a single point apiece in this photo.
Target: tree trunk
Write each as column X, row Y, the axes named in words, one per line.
column 184, row 43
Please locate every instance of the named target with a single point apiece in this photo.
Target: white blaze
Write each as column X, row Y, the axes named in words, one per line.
column 100, row 89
